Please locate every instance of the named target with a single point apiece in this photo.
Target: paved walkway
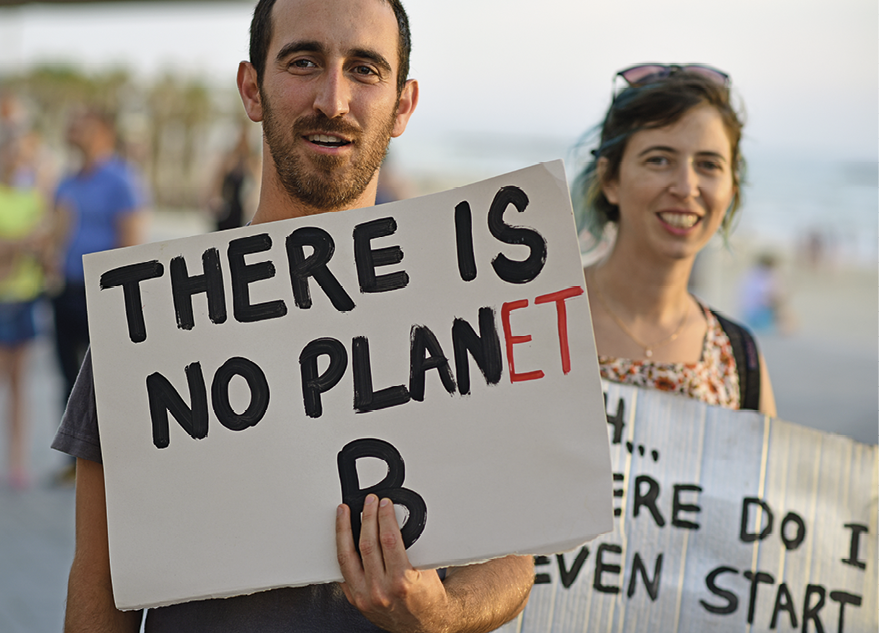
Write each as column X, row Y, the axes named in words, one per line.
column 36, row 526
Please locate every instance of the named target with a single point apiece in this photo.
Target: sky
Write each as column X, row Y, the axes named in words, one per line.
column 493, row 71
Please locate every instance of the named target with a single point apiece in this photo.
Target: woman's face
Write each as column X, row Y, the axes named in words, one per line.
column 674, row 185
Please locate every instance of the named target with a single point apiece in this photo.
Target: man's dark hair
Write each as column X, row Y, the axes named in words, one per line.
column 261, row 35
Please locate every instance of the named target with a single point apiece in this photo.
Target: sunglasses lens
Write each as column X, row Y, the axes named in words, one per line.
column 709, row 73
column 640, row 75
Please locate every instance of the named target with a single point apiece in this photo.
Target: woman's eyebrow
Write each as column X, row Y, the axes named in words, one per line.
column 658, row 148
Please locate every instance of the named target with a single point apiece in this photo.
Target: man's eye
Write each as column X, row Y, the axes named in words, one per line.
column 364, row 70
column 302, row 63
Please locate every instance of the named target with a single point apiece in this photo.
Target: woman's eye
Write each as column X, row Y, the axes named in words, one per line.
column 657, row 160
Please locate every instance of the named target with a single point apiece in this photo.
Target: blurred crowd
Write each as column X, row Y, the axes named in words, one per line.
column 49, row 218
column 47, row 223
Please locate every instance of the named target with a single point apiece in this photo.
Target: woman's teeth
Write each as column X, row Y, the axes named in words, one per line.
column 679, row 220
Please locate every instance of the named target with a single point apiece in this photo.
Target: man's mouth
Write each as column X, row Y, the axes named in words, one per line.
column 327, row 140
column 679, row 220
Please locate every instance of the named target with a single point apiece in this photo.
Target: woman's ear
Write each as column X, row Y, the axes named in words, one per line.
column 610, row 188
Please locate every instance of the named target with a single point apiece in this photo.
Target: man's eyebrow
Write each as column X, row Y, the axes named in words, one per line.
column 374, row 56
column 307, row 46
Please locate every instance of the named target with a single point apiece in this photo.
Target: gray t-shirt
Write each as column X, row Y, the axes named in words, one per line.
column 311, row 609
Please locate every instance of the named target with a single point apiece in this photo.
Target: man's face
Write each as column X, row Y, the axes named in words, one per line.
column 328, row 97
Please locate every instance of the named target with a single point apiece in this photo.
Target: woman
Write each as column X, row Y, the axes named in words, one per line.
column 667, row 175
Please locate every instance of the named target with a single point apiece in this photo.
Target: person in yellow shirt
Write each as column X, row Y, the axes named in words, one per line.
column 22, row 243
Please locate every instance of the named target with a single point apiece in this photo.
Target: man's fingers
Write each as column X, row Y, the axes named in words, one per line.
column 393, row 549
column 349, row 561
column 370, row 547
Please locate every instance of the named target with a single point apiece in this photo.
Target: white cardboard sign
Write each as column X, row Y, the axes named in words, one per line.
column 247, row 380
column 727, row 521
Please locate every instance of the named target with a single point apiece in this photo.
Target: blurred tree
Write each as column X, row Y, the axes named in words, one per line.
column 174, row 117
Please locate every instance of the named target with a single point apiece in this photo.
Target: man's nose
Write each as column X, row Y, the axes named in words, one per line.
column 333, row 96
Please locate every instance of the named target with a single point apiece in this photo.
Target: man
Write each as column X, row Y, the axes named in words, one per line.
column 327, row 79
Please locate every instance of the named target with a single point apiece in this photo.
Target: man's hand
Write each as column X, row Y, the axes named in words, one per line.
column 382, row 584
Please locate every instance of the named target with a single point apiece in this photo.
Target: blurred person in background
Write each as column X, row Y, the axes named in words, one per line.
column 99, row 206
column 761, row 297
column 237, row 174
column 23, row 242
column 12, row 117
column 666, row 176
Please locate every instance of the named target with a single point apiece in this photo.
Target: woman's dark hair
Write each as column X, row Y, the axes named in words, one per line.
column 652, row 105
column 261, row 36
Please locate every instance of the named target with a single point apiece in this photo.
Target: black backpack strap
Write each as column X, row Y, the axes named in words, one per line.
column 747, row 362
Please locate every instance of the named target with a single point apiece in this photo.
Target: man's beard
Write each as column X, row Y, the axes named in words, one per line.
column 318, row 181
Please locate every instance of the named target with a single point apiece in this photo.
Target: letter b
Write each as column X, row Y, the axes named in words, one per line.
column 390, row 487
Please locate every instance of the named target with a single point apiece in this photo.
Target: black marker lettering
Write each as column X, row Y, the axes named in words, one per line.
column 810, row 612
column 541, row 578
column 843, row 599
column 787, row 605
column 616, row 420
column 464, row 241
column 732, row 600
column 129, row 277
column 750, row 537
column 259, row 394
column 755, row 579
column 422, row 340
column 602, row 567
column 244, row 274
column 678, row 507
column 210, row 282
column 163, row 397
column 315, row 265
column 511, row 271
column 313, row 383
column 651, row 584
column 618, row 493
column 647, row 499
column 365, row 399
column 569, row 576
column 388, row 488
column 799, row 537
column 368, row 259
column 854, row 550
column 484, row 348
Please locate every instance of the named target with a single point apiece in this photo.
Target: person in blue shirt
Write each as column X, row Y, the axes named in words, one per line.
column 98, row 207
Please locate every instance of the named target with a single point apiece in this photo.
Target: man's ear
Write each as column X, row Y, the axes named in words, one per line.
column 406, row 106
column 608, row 187
column 248, row 88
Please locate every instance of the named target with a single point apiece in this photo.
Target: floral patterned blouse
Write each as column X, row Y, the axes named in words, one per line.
column 712, row 379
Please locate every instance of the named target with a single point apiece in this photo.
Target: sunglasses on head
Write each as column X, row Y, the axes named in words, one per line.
column 643, row 74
